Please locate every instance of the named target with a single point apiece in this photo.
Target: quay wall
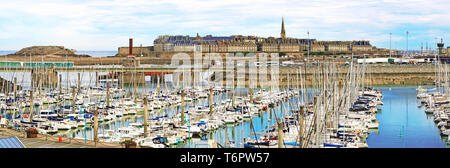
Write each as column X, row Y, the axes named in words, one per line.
column 380, row 74
column 137, row 51
column 160, row 58
column 377, row 75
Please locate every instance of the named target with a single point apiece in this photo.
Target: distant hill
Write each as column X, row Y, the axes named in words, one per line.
column 47, row 51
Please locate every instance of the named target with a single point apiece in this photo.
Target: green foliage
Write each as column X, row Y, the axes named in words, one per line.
column 320, row 53
column 327, row 53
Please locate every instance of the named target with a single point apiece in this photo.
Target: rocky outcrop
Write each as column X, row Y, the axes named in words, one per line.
column 48, row 51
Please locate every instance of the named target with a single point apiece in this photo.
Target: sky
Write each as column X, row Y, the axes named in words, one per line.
column 106, row 25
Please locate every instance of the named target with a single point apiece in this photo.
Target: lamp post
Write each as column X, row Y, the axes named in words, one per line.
column 309, row 41
column 390, row 45
column 407, row 33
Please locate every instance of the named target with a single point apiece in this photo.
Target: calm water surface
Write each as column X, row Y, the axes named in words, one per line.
column 403, row 124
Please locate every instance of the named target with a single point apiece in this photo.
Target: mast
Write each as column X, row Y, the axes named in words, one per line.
column 390, row 45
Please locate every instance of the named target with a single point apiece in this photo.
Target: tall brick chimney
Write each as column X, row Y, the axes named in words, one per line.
column 131, row 46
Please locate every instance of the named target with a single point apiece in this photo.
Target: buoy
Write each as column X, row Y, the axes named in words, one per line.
column 60, row 139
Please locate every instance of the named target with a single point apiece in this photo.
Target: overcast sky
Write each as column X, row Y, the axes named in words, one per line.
column 106, row 25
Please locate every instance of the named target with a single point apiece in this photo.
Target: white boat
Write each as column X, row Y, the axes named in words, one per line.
column 79, row 102
column 47, row 113
column 429, row 110
column 47, row 130
column 422, row 95
column 127, row 132
column 72, row 124
column 357, row 145
column 3, row 122
column 62, row 126
column 80, row 124
column 372, row 125
column 132, row 112
column 107, row 118
column 229, row 120
column 193, row 129
column 187, row 99
column 444, row 132
column 149, row 143
column 118, row 113
column 37, row 103
column 420, row 89
column 441, row 123
column 202, row 95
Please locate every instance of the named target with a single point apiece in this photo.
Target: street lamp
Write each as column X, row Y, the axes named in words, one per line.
column 390, row 45
column 407, row 33
column 309, row 45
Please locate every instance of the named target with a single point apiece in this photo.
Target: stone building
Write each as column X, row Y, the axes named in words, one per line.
column 336, row 46
column 137, row 51
column 361, row 46
column 240, row 43
column 269, row 47
column 317, row 47
column 289, row 47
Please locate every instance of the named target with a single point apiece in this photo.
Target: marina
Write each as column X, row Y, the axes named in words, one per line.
column 158, row 115
column 326, row 113
column 130, row 75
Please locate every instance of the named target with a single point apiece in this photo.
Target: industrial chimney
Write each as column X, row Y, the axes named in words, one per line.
column 131, row 47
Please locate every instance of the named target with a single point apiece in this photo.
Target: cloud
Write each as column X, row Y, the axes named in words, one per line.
column 106, row 25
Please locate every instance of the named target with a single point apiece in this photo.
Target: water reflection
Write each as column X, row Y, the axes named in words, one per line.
column 403, row 124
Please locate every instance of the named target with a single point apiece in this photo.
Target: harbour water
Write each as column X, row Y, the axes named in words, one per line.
column 97, row 53
column 403, row 124
column 6, row 52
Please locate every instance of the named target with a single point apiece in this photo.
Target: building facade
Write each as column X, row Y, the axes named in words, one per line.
column 240, row 43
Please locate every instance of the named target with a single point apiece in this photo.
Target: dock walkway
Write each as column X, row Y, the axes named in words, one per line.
column 48, row 141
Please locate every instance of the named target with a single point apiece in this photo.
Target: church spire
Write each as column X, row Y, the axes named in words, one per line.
column 283, row 32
